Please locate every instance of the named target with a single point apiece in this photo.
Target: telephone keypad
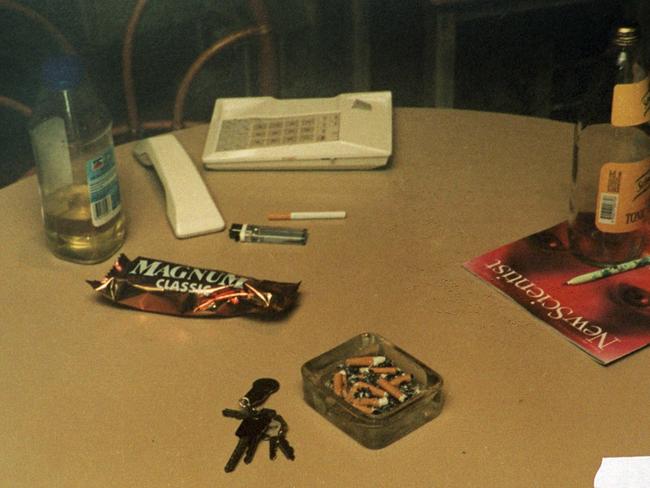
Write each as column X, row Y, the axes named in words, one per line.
column 256, row 132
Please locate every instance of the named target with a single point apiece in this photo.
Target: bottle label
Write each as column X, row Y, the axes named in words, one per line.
column 623, row 194
column 50, row 143
column 630, row 104
column 103, row 188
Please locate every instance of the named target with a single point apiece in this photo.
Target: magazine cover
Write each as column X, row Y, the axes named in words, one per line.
column 607, row 318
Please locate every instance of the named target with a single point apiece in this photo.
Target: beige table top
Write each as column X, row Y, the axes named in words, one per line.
column 94, row 395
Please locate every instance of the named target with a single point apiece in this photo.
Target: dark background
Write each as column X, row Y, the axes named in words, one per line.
column 533, row 61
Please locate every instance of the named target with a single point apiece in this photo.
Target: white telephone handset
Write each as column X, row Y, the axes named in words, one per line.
column 190, row 208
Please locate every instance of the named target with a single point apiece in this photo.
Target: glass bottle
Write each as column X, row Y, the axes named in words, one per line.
column 71, row 137
column 611, row 164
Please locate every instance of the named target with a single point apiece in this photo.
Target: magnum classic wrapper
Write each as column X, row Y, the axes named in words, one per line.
column 158, row 286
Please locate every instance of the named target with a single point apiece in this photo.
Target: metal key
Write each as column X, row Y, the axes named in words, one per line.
column 276, row 434
column 250, row 432
column 262, row 389
column 286, row 448
column 240, row 448
column 272, row 434
column 266, row 415
column 235, row 414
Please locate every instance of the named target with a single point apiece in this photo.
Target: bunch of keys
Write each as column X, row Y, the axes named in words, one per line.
column 258, row 425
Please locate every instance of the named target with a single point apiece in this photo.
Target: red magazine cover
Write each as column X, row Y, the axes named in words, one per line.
column 607, row 318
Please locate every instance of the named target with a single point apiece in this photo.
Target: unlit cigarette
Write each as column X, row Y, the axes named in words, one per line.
column 338, row 214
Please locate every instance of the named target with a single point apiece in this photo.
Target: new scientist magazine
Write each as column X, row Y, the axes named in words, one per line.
column 607, row 318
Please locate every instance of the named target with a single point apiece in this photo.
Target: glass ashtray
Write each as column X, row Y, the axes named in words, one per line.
column 385, row 425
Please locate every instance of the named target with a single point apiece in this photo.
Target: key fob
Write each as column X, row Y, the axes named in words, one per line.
column 261, row 390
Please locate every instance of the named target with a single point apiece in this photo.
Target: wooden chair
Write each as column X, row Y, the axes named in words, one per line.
column 135, row 127
column 267, row 69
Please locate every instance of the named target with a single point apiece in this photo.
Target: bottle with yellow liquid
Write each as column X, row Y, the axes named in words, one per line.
column 70, row 131
column 611, row 168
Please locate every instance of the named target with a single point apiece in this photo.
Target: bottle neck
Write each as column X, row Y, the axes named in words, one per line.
column 630, row 92
column 84, row 115
column 628, row 66
column 616, row 86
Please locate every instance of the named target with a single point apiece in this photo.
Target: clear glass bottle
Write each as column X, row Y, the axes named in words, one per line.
column 71, row 137
column 611, row 165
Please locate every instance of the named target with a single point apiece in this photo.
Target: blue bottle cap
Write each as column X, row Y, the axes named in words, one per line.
column 62, row 72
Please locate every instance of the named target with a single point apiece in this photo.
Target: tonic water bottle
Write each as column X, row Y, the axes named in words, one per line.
column 611, row 165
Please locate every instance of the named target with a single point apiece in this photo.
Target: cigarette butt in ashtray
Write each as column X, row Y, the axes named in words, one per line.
column 391, row 389
column 375, row 391
column 383, row 370
column 403, row 378
column 372, row 401
column 340, row 383
column 365, row 361
column 368, row 410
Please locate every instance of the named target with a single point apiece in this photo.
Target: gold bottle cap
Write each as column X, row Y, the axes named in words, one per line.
column 626, row 36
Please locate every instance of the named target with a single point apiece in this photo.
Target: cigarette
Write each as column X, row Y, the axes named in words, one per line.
column 340, row 383
column 338, row 214
column 392, row 390
column 398, row 380
column 363, row 408
column 378, row 392
column 371, row 402
column 349, row 396
column 365, row 361
column 385, row 370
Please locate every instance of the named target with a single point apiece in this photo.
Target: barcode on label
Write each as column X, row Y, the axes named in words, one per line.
column 102, row 207
column 608, row 207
